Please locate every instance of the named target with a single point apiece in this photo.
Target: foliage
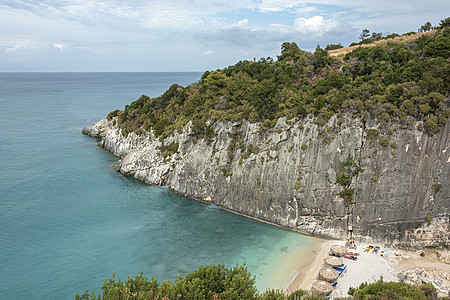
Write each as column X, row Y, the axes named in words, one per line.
column 364, row 34
column 426, row 27
column 168, row 150
column 347, row 170
column 289, row 51
column 391, row 82
column 343, row 179
column 207, row 282
column 436, row 188
column 393, row 290
column 429, row 219
column 347, row 194
column 444, row 23
column 333, row 47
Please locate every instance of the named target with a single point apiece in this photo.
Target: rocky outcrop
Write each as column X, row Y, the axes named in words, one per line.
column 420, row 276
column 289, row 175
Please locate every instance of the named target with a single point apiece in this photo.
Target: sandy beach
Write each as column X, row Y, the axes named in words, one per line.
column 432, row 265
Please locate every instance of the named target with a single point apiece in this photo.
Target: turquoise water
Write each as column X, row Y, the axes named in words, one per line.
column 68, row 220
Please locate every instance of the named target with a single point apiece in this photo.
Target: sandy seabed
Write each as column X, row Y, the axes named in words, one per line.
column 371, row 267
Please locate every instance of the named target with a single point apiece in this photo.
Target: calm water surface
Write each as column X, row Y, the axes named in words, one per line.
column 68, row 220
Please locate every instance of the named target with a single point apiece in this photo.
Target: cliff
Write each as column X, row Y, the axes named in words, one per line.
column 329, row 181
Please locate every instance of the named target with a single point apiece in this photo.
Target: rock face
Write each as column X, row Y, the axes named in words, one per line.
column 420, row 276
column 288, row 175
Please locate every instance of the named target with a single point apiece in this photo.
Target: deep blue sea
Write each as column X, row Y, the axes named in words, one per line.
column 68, row 220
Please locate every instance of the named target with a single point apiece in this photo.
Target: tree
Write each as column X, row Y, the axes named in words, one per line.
column 364, row 34
column 289, row 50
column 444, row 23
column 333, row 47
column 321, row 58
column 376, row 36
column 439, row 47
column 426, row 27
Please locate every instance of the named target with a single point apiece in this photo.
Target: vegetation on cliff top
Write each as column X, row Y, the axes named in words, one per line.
column 393, row 82
column 219, row 282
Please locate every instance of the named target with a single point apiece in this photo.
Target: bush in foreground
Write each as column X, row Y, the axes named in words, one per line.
column 393, row 290
column 218, row 282
column 207, row 282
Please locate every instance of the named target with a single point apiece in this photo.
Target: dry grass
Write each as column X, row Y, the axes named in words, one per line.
column 404, row 38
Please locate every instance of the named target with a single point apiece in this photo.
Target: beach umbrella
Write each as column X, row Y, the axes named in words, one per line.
column 334, row 261
column 321, row 287
column 328, row 274
column 338, row 250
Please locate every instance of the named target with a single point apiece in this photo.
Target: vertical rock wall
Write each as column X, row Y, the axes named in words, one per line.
column 287, row 176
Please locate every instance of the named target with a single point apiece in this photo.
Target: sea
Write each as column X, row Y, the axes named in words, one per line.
column 68, row 221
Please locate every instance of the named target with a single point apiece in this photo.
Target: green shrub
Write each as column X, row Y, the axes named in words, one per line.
column 372, row 134
column 347, row 194
column 298, row 184
column 429, row 219
column 343, row 179
column 436, row 188
column 304, row 147
column 271, row 294
column 113, row 114
column 168, row 150
column 374, row 178
column 393, row 290
column 226, row 172
column 384, row 142
column 206, row 282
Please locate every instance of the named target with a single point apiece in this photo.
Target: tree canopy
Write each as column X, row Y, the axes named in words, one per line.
column 400, row 82
column 207, row 282
column 214, row 282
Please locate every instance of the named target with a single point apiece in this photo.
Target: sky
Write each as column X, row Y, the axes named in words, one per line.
column 187, row 35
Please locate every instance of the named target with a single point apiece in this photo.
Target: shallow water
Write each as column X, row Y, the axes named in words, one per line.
column 68, row 220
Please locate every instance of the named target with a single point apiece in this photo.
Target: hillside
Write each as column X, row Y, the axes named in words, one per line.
column 397, row 39
column 401, row 82
column 330, row 147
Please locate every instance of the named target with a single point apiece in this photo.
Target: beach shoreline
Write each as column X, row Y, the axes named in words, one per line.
column 416, row 267
column 304, row 277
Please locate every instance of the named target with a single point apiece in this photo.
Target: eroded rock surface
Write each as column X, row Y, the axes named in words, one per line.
column 288, row 176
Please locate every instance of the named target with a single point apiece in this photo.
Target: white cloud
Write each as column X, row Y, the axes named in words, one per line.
column 61, row 47
column 208, row 52
column 173, row 32
column 277, row 5
column 242, row 23
column 318, row 26
column 15, row 46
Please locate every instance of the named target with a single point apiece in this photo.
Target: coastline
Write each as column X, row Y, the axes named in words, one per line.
column 368, row 268
column 304, row 277
column 391, row 265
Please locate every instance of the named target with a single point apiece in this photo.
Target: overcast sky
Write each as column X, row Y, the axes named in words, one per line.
column 187, row 35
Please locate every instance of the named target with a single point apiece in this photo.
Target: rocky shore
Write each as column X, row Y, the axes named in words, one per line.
column 289, row 175
column 412, row 267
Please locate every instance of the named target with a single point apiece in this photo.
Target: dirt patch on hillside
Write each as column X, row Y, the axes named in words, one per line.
column 403, row 38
